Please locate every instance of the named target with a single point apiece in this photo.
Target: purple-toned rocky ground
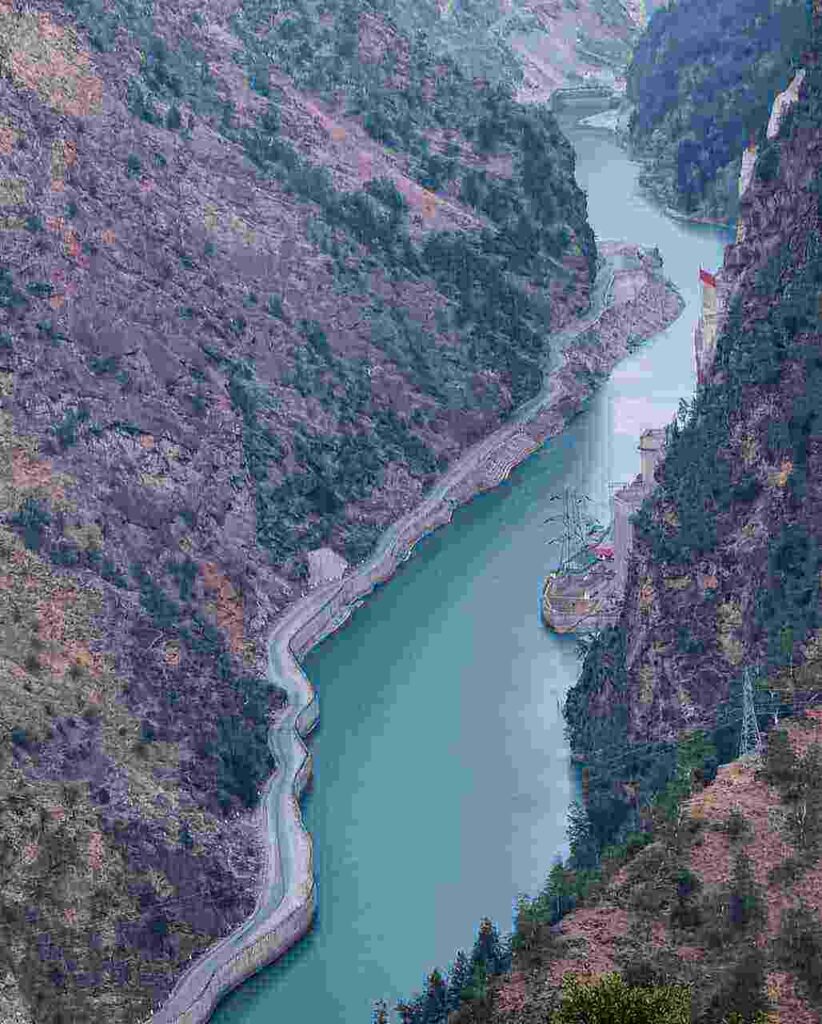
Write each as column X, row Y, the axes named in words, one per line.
column 248, row 309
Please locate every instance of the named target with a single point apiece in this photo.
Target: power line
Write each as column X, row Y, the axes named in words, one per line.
column 731, row 719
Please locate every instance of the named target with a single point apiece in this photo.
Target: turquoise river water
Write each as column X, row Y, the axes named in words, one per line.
column 441, row 773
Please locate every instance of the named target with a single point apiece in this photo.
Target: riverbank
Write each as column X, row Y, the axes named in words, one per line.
column 616, row 121
column 685, row 218
column 638, row 302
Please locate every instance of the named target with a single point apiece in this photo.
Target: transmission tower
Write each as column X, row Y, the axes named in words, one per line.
column 750, row 740
column 578, row 528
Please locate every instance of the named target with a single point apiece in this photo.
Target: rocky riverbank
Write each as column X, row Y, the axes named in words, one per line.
column 639, row 303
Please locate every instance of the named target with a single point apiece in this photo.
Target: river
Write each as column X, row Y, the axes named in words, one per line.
column 441, row 773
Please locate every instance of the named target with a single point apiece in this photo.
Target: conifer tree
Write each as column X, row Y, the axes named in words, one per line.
column 744, row 905
column 458, row 979
column 488, row 950
column 434, row 1009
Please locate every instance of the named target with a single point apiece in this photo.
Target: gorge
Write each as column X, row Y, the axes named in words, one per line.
column 268, row 320
column 485, row 762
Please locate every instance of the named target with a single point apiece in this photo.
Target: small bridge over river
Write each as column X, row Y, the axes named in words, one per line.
column 582, row 94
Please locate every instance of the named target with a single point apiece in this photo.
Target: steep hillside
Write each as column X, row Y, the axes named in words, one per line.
column 712, row 918
column 695, row 875
column 576, row 43
column 701, row 82
column 256, row 290
column 725, row 572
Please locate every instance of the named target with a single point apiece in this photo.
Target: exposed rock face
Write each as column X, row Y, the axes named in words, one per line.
column 780, row 218
column 783, row 103
column 241, row 320
column 746, row 170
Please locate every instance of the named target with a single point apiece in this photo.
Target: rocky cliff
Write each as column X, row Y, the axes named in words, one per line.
column 701, row 81
column 691, row 866
column 265, row 270
column 724, row 579
column 734, row 539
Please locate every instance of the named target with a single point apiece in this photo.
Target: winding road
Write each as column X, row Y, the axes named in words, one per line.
column 285, row 906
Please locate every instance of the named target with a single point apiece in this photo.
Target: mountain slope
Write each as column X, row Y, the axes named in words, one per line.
column 689, row 867
column 702, row 81
column 719, row 904
column 256, row 291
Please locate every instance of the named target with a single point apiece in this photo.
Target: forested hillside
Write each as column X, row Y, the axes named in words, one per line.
column 695, row 875
column 708, row 916
column 264, row 271
column 701, row 81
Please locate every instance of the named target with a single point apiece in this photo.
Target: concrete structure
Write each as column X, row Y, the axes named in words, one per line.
column 783, row 103
column 628, row 500
column 325, row 564
column 589, row 601
column 747, row 168
column 651, row 445
column 706, row 330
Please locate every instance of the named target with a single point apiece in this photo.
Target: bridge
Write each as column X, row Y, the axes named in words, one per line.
column 581, row 94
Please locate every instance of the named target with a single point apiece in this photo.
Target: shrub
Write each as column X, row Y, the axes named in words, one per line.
column 799, row 949
column 746, row 909
column 64, row 554
column 788, row 607
column 32, row 519
column 20, row 737
column 100, row 365
column 40, row 289
column 185, row 572
column 154, row 601
column 686, row 912
column 139, row 103
column 133, row 166
column 736, row 825
column 767, row 162
column 245, row 760
column 10, row 298
column 735, row 993
column 66, row 429
column 611, row 1001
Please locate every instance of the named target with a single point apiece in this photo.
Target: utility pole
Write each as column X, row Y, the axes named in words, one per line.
column 750, row 740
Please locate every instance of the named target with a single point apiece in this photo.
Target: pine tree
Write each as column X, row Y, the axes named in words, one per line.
column 488, row 949
column 745, row 907
column 581, row 838
column 434, row 1010
column 458, row 979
